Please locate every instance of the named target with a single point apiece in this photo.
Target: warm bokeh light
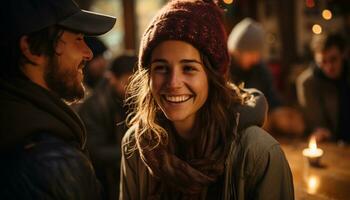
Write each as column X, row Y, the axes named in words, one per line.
column 327, row 14
column 313, row 144
column 312, row 184
column 317, row 29
column 310, row 3
column 312, row 151
column 228, row 1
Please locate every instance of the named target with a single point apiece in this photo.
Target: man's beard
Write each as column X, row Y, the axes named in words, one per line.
column 64, row 81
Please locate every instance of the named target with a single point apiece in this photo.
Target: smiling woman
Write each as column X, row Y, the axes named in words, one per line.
column 192, row 134
column 179, row 83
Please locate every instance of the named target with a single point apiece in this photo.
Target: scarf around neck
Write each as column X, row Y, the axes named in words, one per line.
column 184, row 170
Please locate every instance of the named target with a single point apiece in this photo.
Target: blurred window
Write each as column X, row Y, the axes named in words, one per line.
column 114, row 38
column 145, row 11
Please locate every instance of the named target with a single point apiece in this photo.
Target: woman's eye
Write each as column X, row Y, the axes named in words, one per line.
column 189, row 69
column 160, row 69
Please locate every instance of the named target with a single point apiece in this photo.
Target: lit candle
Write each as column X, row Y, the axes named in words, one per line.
column 313, row 154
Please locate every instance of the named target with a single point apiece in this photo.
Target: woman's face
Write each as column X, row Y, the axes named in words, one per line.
column 179, row 82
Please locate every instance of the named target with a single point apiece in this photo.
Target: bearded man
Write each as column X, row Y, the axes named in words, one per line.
column 42, row 141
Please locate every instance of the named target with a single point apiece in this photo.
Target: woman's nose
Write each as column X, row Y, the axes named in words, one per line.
column 174, row 79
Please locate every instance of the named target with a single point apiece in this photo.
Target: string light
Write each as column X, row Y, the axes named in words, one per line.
column 228, row 1
column 317, row 29
column 310, row 3
column 327, row 14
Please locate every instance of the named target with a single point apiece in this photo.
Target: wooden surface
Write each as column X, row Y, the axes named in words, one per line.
column 329, row 181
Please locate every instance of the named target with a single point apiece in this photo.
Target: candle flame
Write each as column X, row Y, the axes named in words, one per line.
column 312, row 151
column 312, row 144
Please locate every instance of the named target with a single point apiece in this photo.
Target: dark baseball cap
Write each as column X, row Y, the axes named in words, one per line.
column 27, row 16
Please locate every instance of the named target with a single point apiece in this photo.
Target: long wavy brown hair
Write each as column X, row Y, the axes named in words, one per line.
column 215, row 116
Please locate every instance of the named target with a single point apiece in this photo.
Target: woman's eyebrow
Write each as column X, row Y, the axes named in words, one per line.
column 159, row 60
column 190, row 61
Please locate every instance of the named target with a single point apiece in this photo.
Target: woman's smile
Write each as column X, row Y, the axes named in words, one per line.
column 177, row 98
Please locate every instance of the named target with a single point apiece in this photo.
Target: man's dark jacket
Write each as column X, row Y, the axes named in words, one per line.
column 42, row 146
column 325, row 102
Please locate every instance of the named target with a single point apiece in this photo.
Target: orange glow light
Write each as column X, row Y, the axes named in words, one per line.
column 313, row 183
column 317, row 29
column 327, row 14
column 312, row 151
column 310, row 3
column 228, row 1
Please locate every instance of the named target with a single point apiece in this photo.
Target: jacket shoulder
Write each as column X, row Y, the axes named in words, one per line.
column 254, row 145
column 262, row 163
column 48, row 168
column 257, row 139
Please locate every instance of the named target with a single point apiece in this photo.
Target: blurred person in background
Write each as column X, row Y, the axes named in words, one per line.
column 96, row 67
column 43, row 142
column 103, row 114
column 324, row 89
column 245, row 44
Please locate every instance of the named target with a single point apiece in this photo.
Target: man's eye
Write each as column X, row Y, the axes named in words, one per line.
column 80, row 37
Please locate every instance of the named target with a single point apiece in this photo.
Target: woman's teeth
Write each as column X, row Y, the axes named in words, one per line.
column 177, row 99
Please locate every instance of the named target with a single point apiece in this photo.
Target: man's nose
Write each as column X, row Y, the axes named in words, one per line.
column 87, row 53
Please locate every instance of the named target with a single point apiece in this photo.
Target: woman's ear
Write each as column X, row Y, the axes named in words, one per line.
column 33, row 58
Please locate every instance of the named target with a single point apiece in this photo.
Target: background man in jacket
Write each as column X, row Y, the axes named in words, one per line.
column 324, row 89
column 42, row 141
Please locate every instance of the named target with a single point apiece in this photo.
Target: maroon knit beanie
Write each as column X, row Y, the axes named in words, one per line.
column 197, row 22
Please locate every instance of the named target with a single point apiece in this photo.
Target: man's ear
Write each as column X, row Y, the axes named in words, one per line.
column 33, row 58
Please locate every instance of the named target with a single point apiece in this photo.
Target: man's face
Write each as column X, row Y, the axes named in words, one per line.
column 64, row 74
column 330, row 61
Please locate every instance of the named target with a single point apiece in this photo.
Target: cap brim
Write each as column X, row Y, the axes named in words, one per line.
column 89, row 23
